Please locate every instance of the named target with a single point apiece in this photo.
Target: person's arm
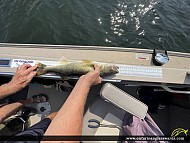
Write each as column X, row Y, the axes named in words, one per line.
column 68, row 120
column 22, row 77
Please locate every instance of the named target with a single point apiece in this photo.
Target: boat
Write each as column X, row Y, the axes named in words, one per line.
column 165, row 71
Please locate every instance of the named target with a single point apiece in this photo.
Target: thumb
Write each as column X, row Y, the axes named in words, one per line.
column 96, row 67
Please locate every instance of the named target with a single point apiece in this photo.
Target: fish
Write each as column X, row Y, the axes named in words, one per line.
column 66, row 69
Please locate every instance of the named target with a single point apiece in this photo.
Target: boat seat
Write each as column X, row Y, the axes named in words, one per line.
column 110, row 110
column 105, row 113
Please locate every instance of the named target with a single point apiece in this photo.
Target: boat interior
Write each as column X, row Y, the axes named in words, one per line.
column 164, row 88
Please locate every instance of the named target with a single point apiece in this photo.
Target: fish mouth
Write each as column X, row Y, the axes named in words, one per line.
column 115, row 69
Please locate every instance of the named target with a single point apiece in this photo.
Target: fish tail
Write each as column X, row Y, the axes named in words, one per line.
column 41, row 69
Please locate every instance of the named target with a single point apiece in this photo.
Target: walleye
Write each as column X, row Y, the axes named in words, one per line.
column 76, row 69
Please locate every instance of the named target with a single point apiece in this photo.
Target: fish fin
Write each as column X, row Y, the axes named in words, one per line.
column 88, row 63
column 63, row 77
column 40, row 69
column 63, row 60
column 101, row 66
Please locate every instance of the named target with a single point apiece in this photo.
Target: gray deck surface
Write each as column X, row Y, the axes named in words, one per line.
column 167, row 119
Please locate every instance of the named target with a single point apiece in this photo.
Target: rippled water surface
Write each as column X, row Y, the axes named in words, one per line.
column 125, row 23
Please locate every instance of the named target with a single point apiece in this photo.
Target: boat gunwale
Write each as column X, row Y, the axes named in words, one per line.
column 100, row 48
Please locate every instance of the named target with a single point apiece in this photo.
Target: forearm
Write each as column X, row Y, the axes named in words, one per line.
column 8, row 110
column 8, row 89
column 69, row 118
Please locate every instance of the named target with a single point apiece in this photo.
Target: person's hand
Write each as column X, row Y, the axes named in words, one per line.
column 93, row 77
column 23, row 76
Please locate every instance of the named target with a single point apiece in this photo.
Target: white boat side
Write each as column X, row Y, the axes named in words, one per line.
column 137, row 64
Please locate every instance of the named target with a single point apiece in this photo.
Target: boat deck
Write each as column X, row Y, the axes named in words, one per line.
column 167, row 119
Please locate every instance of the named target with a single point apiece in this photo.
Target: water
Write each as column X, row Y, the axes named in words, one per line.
column 152, row 24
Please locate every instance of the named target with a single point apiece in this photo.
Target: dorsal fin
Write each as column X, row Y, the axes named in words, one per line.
column 88, row 63
column 62, row 61
column 101, row 66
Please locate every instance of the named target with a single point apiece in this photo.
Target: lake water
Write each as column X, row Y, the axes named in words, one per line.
column 152, row 24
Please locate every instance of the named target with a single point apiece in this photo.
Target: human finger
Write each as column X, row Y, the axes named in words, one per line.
column 97, row 68
column 99, row 80
column 18, row 68
column 24, row 66
column 30, row 76
column 30, row 69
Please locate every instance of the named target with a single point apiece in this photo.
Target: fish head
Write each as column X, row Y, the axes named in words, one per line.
column 109, row 69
